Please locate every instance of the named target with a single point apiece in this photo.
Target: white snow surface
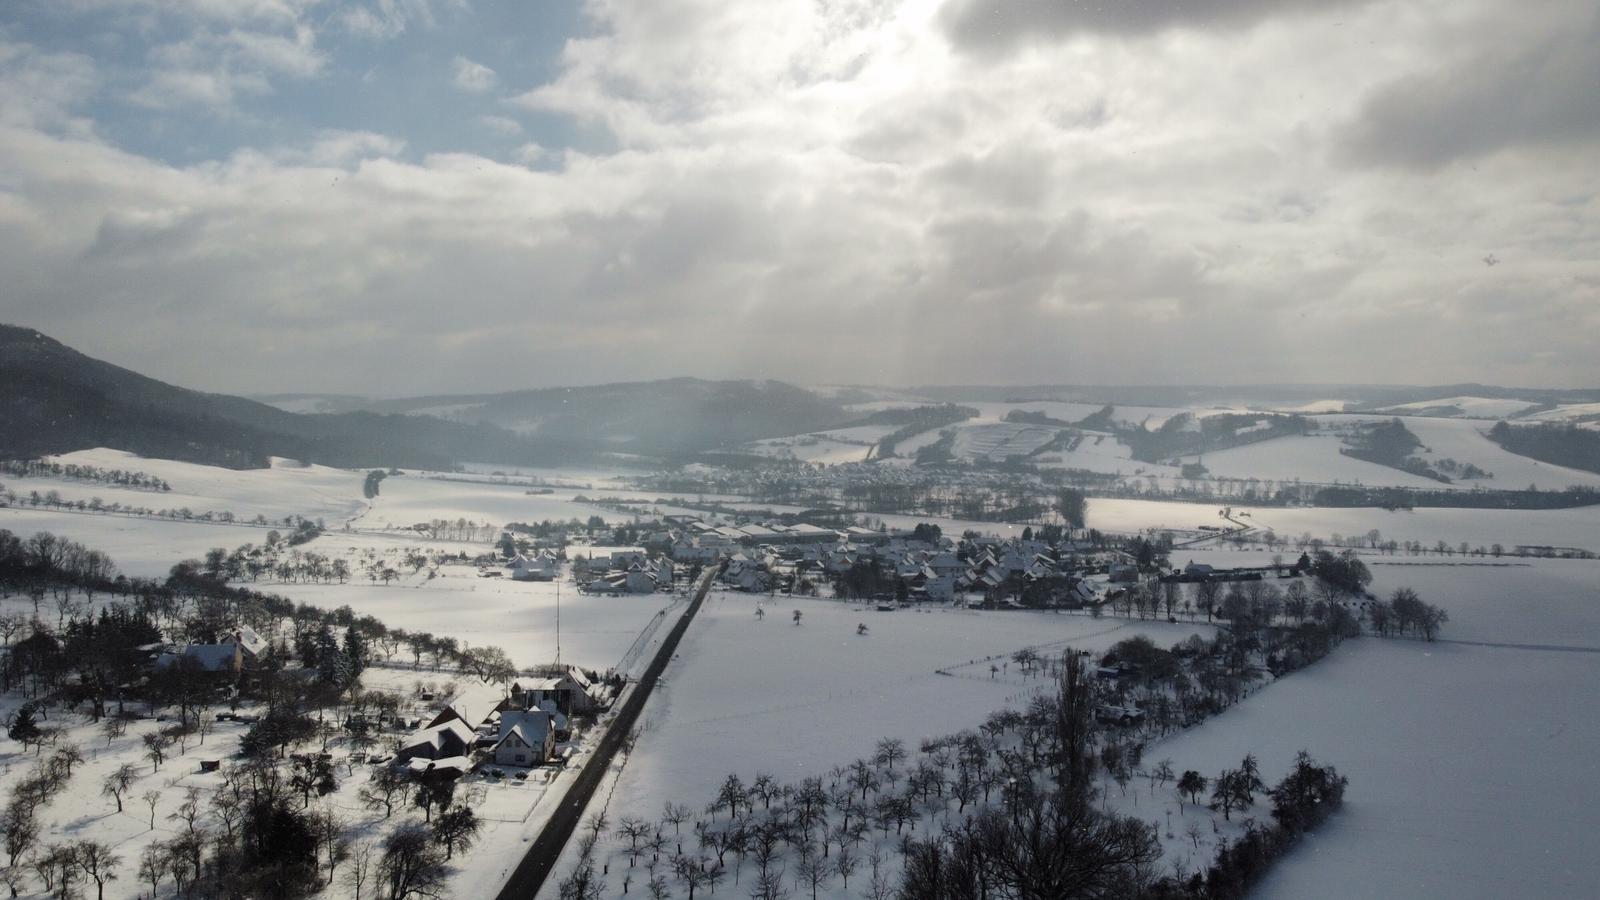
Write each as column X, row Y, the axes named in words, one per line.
column 1471, row 407
column 1579, row 527
column 286, row 488
column 140, row 547
column 747, row 695
column 1472, row 771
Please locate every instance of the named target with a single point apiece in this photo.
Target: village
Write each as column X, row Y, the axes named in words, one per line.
column 442, row 688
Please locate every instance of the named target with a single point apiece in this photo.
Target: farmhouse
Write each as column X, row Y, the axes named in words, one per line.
column 527, row 738
column 208, row 657
column 573, row 692
column 251, row 644
column 446, row 739
column 472, row 706
column 542, row 566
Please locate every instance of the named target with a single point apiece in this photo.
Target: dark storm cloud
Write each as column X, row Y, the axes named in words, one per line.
column 1545, row 94
column 989, row 25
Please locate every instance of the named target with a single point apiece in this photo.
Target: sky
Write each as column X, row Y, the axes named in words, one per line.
column 402, row 197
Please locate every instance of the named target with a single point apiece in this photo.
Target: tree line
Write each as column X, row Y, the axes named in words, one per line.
column 122, row 478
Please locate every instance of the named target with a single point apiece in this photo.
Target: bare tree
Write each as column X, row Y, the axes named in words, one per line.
column 411, row 865
column 96, row 860
column 118, row 782
column 359, row 872
column 845, row 863
column 65, row 758
column 675, row 815
column 694, row 872
column 155, row 748
column 153, row 866
column 813, row 872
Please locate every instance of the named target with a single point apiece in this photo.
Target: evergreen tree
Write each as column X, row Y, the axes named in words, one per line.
column 25, row 728
column 355, row 652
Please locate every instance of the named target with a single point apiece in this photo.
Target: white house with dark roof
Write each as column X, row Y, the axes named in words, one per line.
column 527, row 737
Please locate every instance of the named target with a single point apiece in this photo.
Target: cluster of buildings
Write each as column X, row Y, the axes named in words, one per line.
column 908, row 566
column 234, row 652
column 528, row 726
column 626, row 571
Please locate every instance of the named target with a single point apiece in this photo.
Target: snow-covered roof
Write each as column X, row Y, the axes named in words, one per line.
column 211, row 657
column 457, row 765
column 528, row 725
column 248, row 639
column 434, row 735
column 472, row 705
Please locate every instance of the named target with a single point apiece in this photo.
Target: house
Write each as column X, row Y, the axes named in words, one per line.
column 1123, row 573
column 446, row 739
column 947, row 564
column 219, row 658
column 539, row 567
column 940, row 588
column 571, row 693
column 471, row 706
column 445, row 767
column 857, row 534
column 695, row 549
column 527, row 738
column 637, row 581
column 251, row 644
column 558, row 720
column 806, row 533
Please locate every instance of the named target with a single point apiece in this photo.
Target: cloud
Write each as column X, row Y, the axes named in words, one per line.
column 388, row 19
column 1543, row 93
column 209, row 55
column 501, row 125
column 471, row 76
column 181, row 87
column 985, row 25
column 295, row 55
column 820, row 192
column 44, row 89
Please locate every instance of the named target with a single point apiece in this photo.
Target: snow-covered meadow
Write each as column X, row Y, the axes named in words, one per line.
column 287, row 488
column 749, row 695
column 1578, row 527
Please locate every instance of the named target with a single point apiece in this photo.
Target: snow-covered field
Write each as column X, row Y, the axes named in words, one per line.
column 287, row 488
column 1470, row 407
column 1472, row 768
column 406, row 500
column 516, row 616
column 1565, row 413
column 140, row 547
column 998, row 440
column 747, row 695
column 809, row 448
column 1578, row 527
column 1311, row 458
column 1463, row 440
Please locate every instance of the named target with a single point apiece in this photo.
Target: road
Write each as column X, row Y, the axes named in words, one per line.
column 541, row 858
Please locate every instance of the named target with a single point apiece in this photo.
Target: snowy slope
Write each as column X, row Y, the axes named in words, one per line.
column 1464, row 441
column 287, row 488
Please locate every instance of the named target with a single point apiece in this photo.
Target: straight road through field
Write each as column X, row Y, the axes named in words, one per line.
column 541, row 858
